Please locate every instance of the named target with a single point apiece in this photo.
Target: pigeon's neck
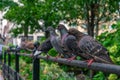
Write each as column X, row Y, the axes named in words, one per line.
column 52, row 33
column 63, row 32
column 63, row 37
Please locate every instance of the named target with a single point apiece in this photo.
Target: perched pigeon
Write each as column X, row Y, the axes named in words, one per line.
column 44, row 47
column 69, row 41
column 28, row 45
column 90, row 47
column 36, row 45
column 55, row 41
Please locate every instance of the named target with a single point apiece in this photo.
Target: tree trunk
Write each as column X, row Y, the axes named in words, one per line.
column 25, row 29
column 91, row 21
column 90, row 30
column 97, row 28
column 47, row 34
column 45, row 30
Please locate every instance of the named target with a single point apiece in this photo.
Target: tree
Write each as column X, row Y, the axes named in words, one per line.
column 53, row 11
column 7, row 3
column 25, row 16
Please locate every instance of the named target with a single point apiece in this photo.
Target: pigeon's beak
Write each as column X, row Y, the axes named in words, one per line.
column 46, row 30
column 58, row 27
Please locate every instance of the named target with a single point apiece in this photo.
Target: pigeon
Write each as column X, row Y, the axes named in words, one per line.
column 56, row 42
column 27, row 45
column 44, row 48
column 69, row 41
column 91, row 48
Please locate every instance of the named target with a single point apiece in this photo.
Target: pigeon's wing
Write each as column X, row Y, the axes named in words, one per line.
column 46, row 46
column 94, row 49
column 71, row 43
column 56, row 44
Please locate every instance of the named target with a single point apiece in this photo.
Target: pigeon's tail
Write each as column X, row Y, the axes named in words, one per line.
column 36, row 54
column 105, row 59
column 103, row 56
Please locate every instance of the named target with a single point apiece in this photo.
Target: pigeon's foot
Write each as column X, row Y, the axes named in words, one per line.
column 48, row 56
column 57, row 57
column 72, row 58
column 31, row 55
column 90, row 61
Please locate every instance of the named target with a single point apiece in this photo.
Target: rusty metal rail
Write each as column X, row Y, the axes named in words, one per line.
column 109, row 68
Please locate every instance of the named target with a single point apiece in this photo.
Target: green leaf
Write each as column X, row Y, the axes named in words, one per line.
column 112, row 77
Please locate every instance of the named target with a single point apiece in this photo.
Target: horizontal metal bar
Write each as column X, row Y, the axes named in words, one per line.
column 28, row 55
column 21, row 54
column 109, row 68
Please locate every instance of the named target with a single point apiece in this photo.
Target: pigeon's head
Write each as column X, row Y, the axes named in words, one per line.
column 50, row 29
column 61, row 26
column 73, row 31
column 36, row 44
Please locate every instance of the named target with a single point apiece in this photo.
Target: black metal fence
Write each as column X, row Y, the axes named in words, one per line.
column 10, row 74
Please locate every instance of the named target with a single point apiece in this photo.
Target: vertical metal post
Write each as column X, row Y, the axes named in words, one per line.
column 4, row 67
column 5, row 57
column 36, row 69
column 1, row 57
column 36, row 63
column 16, row 65
column 9, row 59
column 9, row 64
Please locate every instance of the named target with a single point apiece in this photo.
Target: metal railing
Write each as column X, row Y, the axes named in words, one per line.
column 11, row 74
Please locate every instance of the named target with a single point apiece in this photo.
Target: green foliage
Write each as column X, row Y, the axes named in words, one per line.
column 54, row 72
column 26, row 16
column 113, row 77
column 7, row 3
column 53, row 52
column 111, row 41
column 99, row 76
column 53, row 11
column 25, row 68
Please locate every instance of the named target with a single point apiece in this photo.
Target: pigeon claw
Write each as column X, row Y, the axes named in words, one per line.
column 72, row 58
column 48, row 56
column 31, row 55
column 90, row 61
column 56, row 57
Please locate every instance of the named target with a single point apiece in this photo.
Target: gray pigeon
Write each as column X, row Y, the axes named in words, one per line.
column 91, row 48
column 69, row 42
column 56, row 42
